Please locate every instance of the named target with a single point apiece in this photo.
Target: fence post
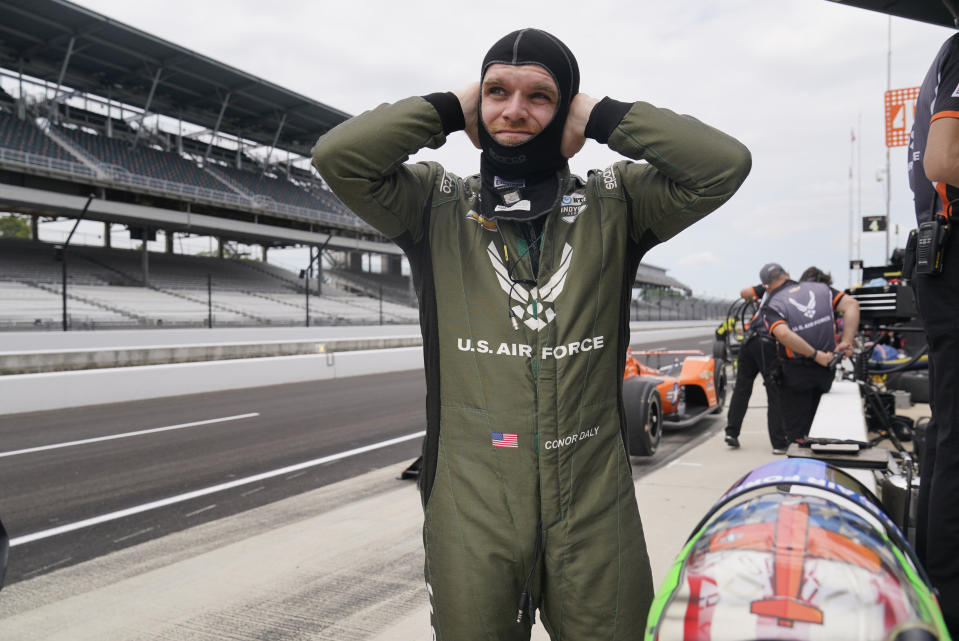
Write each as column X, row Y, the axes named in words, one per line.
column 209, row 301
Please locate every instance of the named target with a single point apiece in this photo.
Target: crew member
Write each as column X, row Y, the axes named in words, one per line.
column 801, row 316
column 934, row 178
column 816, row 275
column 523, row 273
column 757, row 355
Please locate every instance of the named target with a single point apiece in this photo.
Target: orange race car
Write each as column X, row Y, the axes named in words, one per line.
column 677, row 394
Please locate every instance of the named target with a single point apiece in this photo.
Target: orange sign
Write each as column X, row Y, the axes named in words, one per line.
column 900, row 112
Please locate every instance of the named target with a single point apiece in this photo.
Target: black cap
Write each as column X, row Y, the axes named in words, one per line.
column 770, row 272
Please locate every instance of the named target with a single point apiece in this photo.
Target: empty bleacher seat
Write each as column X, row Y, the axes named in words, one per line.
column 98, row 121
column 23, row 260
column 23, row 306
column 25, row 136
column 143, row 160
column 106, row 289
column 280, row 190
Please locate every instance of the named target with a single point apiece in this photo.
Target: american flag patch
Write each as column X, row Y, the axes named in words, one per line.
column 501, row 439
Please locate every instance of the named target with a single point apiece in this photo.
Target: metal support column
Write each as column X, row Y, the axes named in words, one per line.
column 145, row 256
column 63, row 257
column 146, row 108
column 319, row 265
column 21, row 101
column 216, row 128
column 276, row 137
column 888, row 257
column 109, row 112
column 209, row 301
column 306, row 276
column 63, row 72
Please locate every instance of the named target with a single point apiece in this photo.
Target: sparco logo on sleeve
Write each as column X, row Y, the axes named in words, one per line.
column 534, row 305
column 609, row 178
column 446, row 185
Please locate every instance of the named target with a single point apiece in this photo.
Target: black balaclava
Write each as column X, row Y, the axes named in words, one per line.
column 529, row 172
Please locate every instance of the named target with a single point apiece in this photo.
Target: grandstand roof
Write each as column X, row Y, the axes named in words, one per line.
column 106, row 57
column 651, row 275
column 938, row 12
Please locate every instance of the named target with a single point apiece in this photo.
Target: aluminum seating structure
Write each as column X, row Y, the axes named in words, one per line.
column 92, row 119
column 24, row 136
column 36, row 263
column 24, row 306
column 157, row 307
column 105, row 289
column 146, row 167
column 390, row 287
column 260, row 184
column 143, row 160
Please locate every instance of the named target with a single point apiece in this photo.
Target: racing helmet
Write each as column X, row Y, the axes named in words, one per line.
column 796, row 549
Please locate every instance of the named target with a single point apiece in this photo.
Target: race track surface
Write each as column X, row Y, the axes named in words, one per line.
column 81, row 483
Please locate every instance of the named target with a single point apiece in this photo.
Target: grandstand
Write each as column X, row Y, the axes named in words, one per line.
column 26, row 137
column 105, row 289
column 168, row 141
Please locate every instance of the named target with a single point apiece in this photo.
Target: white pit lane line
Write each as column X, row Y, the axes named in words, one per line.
column 112, row 437
column 179, row 498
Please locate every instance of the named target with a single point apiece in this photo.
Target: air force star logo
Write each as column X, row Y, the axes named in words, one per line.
column 809, row 309
column 533, row 306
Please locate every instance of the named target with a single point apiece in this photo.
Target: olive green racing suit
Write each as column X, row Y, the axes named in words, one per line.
column 526, row 481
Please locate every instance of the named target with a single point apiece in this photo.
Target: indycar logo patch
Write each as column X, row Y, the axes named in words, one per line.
column 534, row 305
column 572, row 206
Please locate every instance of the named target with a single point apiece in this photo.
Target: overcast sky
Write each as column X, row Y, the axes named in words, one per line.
column 789, row 78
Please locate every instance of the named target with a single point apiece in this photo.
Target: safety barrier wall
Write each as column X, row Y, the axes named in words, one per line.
column 35, row 362
column 58, row 390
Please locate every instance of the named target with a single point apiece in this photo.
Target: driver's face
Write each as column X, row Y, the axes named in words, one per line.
column 518, row 101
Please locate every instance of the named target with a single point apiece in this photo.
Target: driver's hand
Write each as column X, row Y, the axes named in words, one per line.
column 469, row 102
column 574, row 133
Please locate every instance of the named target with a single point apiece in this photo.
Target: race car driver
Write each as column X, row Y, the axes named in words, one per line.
column 523, row 274
column 801, row 316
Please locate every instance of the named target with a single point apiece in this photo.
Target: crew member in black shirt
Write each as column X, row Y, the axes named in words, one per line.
column 934, row 178
column 757, row 355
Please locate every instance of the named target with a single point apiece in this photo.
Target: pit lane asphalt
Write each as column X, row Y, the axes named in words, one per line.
column 211, row 440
